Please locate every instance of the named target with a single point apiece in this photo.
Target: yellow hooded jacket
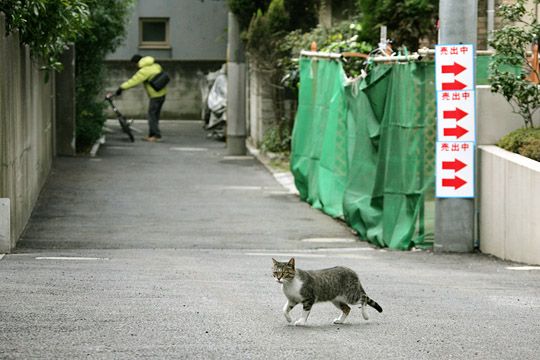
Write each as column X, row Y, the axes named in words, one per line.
column 148, row 68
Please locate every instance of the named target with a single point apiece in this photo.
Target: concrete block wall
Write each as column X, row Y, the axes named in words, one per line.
column 509, row 205
column 26, row 135
column 261, row 114
column 183, row 97
column 495, row 117
column 508, row 193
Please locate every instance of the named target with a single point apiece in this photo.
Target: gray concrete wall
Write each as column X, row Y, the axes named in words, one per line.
column 183, row 97
column 198, row 30
column 198, row 45
column 509, row 205
column 26, row 134
column 261, row 114
column 508, row 194
column 495, row 117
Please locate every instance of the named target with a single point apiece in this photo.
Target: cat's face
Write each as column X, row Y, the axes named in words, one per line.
column 283, row 271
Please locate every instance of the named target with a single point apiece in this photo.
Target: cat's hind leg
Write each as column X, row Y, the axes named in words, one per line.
column 287, row 309
column 345, row 310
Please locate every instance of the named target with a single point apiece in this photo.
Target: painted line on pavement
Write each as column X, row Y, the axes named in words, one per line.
column 329, row 240
column 192, row 149
column 289, row 255
column 244, row 157
column 523, row 268
column 70, row 258
column 345, row 249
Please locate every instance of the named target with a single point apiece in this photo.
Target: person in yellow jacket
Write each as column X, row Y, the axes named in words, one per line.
column 148, row 68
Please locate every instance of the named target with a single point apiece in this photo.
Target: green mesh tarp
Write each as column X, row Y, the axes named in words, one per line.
column 391, row 163
column 319, row 156
column 366, row 151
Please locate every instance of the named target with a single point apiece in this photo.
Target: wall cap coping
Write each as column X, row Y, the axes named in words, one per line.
column 513, row 157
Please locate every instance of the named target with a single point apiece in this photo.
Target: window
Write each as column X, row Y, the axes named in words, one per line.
column 154, row 33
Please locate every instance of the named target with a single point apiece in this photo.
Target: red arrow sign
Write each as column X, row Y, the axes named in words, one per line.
column 456, row 182
column 458, row 131
column 455, row 165
column 456, row 85
column 453, row 69
column 457, row 114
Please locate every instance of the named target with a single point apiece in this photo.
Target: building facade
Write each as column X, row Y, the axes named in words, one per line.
column 187, row 37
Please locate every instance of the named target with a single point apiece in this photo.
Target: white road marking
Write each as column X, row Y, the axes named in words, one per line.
column 193, row 149
column 346, row 249
column 245, row 157
column 234, row 187
column 70, row 258
column 523, row 268
column 329, row 240
column 288, row 255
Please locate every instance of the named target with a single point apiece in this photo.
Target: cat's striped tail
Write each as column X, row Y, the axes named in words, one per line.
column 370, row 302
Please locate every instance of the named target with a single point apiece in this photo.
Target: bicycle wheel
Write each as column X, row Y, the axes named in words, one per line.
column 125, row 127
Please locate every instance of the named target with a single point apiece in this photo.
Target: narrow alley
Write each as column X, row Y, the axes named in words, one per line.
column 163, row 250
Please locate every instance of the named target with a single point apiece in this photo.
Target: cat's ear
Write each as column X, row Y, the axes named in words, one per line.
column 291, row 263
column 274, row 261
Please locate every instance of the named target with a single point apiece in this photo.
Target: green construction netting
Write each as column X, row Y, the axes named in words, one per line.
column 319, row 156
column 365, row 151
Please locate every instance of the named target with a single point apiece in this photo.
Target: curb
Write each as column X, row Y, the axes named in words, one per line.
column 96, row 146
column 285, row 178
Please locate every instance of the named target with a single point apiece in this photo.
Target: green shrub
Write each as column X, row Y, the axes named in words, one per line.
column 47, row 26
column 246, row 9
column 277, row 139
column 105, row 31
column 511, row 41
column 408, row 21
column 525, row 142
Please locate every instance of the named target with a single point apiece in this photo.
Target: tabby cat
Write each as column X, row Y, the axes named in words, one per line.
column 339, row 285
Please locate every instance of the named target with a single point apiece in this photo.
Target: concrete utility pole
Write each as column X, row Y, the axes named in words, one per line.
column 236, row 90
column 455, row 218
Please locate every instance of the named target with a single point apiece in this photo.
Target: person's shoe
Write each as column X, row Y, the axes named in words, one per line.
column 149, row 138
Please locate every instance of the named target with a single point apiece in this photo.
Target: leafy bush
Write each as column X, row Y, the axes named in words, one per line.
column 276, row 36
column 245, row 9
column 104, row 32
column 408, row 21
column 342, row 37
column 47, row 26
column 510, row 43
column 95, row 26
column 525, row 142
column 277, row 139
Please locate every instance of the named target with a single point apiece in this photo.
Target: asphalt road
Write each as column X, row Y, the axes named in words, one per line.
column 164, row 251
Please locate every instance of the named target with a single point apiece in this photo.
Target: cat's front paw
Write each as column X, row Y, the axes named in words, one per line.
column 338, row 320
column 287, row 317
column 300, row 322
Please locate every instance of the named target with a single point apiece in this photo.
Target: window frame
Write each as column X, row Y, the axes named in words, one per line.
column 154, row 44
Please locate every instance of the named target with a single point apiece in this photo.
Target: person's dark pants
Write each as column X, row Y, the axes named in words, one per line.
column 154, row 109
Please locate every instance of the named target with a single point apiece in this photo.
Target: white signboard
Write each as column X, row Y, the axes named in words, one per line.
column 456, row 113
column 456, row 120
column 454, row 67
column 455, row 169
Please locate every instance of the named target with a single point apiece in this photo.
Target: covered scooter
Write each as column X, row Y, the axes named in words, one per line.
column 217, row 105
